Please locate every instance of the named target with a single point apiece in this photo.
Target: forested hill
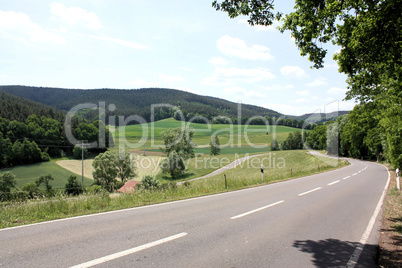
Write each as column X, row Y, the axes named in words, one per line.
column 138, row 102
column 16, row 108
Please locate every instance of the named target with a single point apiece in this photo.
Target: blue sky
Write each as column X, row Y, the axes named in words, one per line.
column 179, row 44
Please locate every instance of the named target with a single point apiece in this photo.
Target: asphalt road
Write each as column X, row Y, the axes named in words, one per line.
column 320, row 220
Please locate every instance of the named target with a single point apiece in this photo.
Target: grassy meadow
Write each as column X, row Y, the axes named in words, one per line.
column 233, row 138
column 277, row 168
column 236, row 141
column 29, row 173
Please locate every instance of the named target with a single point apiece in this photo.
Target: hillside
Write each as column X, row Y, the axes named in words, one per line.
column 137, row 102
column 320, row 118
column 17, row 108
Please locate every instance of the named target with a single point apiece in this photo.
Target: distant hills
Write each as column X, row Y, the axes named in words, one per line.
column 136, row 102
column 17, row 108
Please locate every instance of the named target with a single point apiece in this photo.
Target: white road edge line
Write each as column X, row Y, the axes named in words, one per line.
column 256, row 210
column 332, row 183
column 359, row 248
column 346, row 178
column 128, row 251
column 316, row 189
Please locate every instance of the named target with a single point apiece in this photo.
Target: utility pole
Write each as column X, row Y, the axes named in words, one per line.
column 82, row 154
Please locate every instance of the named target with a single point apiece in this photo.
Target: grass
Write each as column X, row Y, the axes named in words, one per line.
column 228, row 135
column 278, row 165
column 29, row 173
column 14, row 213
column 390, row 247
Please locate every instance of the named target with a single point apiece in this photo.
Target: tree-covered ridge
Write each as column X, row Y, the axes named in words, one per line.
column 136, row 102
column 37, row 138
column 16, row 108
column 139, row 101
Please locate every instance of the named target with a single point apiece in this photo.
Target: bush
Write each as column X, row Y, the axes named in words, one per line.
column 45, row 157
column 31, row 189
column 150, row 183
column 73, row 187
column 95, row 189
column 7, row 181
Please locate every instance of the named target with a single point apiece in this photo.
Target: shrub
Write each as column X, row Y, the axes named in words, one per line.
column 150, row 183
column 31, row 189
column 45, row 157
column 73, row 187
column 7, row 181
column 94, row 189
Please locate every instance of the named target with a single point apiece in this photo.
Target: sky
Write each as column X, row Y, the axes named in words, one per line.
column 179, row 44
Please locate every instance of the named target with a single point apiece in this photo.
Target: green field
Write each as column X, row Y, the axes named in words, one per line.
column 29, row 173
column 233, row 138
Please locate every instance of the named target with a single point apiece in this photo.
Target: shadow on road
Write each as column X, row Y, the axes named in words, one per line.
column 336, row 253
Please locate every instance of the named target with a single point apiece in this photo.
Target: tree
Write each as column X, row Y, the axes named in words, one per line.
column 109, row 166
column 77, row 152
column 368, row 33
column 7, row 181
column 105, row 170
column 179, row 141
column 294, row 141
column 214, row 145
column 274, row 145
column 173, row 164
column 178, row 146
column 125, row 167
column 6, row 150
column 73, row 187
column 46, row 181
column 317, row 139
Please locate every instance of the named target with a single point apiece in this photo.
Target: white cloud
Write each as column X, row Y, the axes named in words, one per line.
column 336, row 91
column 241, row 92
column 170, row 78
column 218, row 61
column 229, row 76
column 293, row 72
column 277, row 87
column 120, row 42
column 18, row 26
column 303, row 100
column 76, row 16
column 303, row 93
column 238, row 48
column 321, row 81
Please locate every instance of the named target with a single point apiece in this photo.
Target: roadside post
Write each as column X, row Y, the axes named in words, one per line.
column 397, row 179
column 262, row 174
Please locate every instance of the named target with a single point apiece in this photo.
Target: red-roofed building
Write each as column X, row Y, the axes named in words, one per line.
column 129, row 187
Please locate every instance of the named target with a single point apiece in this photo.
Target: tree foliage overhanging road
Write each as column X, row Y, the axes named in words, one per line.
column 369, row 34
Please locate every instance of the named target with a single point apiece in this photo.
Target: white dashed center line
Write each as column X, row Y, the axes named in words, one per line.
column 332, row 183
column 316, row 189
column 256, row 210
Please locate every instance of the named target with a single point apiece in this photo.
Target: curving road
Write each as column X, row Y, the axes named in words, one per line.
column 324, row 220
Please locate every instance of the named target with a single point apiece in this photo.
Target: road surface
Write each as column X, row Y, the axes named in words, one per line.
column 316, row 221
